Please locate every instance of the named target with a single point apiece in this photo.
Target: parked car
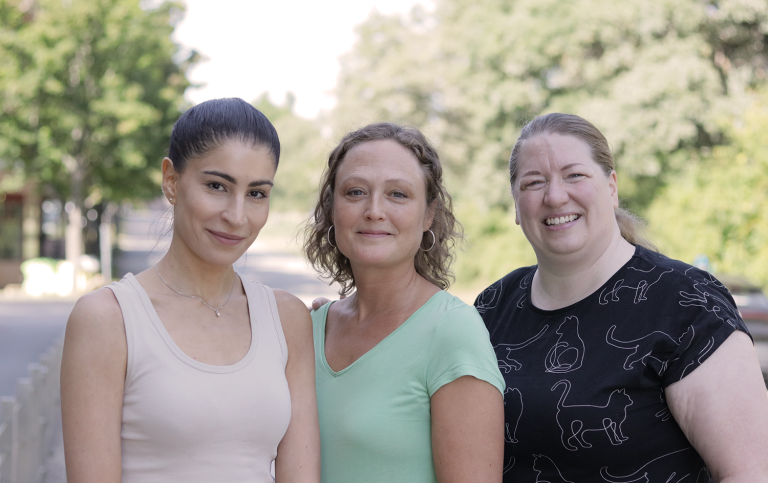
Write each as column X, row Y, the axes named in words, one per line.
column 751, row 302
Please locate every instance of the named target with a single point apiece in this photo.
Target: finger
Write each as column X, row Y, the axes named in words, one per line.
column 319, row 302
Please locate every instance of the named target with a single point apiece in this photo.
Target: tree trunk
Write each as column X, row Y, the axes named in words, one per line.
column 74, row 237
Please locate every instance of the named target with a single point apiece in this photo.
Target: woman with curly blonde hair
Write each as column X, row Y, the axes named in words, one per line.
column 408, row 385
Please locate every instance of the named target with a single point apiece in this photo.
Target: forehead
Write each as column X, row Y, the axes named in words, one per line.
column 237, row 157
column 553, row 151
column 380, row 159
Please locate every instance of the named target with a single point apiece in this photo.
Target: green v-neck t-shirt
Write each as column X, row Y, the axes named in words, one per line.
column 375, row 421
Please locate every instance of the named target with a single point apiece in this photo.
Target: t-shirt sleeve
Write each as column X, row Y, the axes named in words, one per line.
column 709, row 316
column 461, row 347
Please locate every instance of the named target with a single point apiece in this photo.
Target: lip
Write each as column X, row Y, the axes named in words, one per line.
column 373, row 233
column 226, row 238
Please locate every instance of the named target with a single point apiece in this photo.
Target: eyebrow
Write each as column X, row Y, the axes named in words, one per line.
column 260, row 182
column 357, row 179
column 564, row 168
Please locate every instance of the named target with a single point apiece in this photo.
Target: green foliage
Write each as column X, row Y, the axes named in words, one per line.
column 495, row 246
column 90, row 90
column 717, row 206
column 654, row 76
column 302, row 157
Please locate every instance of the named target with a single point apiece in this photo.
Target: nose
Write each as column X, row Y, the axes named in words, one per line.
column 234, row 212
column 556, row 194
column 374, row 209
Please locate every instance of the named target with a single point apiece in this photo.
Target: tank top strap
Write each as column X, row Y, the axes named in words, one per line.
column 265, row 318
column 133, row 312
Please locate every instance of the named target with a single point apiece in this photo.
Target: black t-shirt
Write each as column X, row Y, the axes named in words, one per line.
column 585, row 384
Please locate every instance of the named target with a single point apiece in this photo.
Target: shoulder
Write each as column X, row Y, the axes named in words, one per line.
column 460, row 346
column 288, row 302
column 294, row 315
column 97, row 311
column 677, row 276
column 441, row 308
column 691, row 298
column 646, row 260
column 455, row 320
column 95, row 327
column 516, row 281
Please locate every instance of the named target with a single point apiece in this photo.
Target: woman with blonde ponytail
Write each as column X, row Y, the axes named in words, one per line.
column 620, row 363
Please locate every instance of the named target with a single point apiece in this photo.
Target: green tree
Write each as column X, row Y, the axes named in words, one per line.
column 655, row 76
column 302, row 157
column 717, row 207
column 90, row 90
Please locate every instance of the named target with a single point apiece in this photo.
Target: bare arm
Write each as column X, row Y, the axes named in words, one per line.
column 468, row 431
column 722, row 408
column 298, row 454
column 92, row 381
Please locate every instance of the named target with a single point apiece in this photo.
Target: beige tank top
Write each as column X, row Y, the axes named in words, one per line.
column 186, row 421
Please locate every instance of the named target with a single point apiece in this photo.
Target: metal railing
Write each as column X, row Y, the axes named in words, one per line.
column 28, row 420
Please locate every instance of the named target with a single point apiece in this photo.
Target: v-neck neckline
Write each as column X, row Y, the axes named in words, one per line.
column 372, row 350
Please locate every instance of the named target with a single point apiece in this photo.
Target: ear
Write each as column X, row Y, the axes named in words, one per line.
column 430, row 215
column 517, row 215
column 613, row 187
column 170, row 180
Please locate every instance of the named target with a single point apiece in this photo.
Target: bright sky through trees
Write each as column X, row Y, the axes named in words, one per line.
column 255, row 46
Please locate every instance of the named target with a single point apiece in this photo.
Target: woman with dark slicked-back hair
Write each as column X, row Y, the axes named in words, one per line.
column 187, row 372
column 408, row 387
column 621, row 364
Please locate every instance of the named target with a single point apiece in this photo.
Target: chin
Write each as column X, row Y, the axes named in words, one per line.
column 374, row 260
column 564, row 248
column 221, row 258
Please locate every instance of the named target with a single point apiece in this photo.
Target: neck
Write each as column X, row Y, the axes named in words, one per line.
column 388, row 290
column 190, row 275
column 565, row 280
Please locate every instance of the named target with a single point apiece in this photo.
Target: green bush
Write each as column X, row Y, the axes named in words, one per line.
column 717, row 206
column 494, row 247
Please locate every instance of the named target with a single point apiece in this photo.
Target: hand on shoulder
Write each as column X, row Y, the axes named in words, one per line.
column 319, row 302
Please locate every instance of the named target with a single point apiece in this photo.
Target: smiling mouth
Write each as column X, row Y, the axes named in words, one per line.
column 226, row 236
column 559, row 220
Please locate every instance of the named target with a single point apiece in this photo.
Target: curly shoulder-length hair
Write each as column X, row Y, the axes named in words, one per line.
column 432, row 264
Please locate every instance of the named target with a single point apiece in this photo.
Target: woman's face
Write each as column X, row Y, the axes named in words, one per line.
column 564, row 200
column 221, row 200
column 379, row 205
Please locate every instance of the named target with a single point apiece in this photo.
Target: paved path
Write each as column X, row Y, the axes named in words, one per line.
column 27, row 329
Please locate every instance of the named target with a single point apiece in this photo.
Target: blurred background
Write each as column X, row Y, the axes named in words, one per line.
column 89, row 90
